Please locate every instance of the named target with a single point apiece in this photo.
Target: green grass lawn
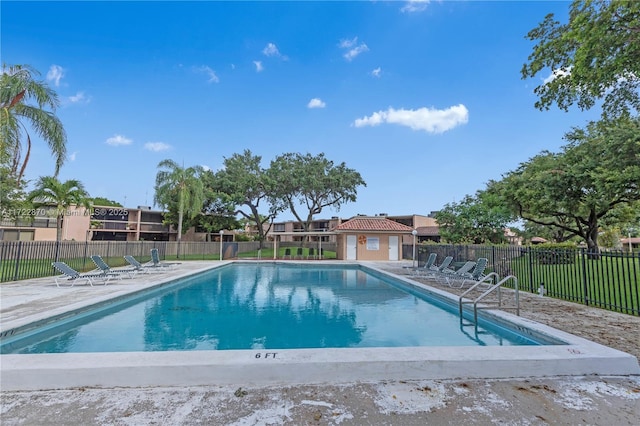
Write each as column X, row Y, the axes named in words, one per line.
column 609, row 282
column 37, row 268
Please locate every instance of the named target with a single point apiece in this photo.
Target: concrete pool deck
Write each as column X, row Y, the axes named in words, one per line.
column 24, row 302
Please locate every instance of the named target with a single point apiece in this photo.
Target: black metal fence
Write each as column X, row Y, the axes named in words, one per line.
column 21, row 260
column 609, row 279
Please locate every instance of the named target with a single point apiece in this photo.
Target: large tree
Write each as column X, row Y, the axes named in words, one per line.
column 179, row 190
column 26, row 104
column 595, row 55
column 247, row 187
column 578, row 188
column 479, row 219
column 217, row 210
column 50, row 192
column 307, row 184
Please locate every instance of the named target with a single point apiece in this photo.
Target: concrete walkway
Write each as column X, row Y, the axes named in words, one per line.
column 556, row 400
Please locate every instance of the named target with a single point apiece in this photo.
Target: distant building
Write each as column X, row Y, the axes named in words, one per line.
column 100, row 223
column 109, row 223
column 128, row 224
column 285, row 231
column 426, row 226
column 630, row 244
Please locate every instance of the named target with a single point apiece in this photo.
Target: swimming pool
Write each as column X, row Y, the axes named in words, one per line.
column 29, row 305
column 269, row 306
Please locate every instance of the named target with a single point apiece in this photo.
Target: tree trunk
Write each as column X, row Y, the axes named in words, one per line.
column 180, row 213
column 59, row 228
column 593, row 251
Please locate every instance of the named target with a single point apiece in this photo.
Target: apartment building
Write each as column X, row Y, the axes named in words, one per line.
column 285, row 231
column 426, row 226
column 109, row 223
column 39, row 224
column 129, row 224
column 100, row 223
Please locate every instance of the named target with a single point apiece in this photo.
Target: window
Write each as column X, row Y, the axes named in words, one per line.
column 373, row 243
column 17, row 235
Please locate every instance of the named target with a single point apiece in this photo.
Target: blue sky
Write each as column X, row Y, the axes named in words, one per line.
column 424, row 99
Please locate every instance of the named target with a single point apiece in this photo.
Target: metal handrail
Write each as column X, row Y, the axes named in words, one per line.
column 485, row 280
column 490, row 290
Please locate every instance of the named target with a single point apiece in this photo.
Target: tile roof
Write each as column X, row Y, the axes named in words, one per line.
column 376, row 223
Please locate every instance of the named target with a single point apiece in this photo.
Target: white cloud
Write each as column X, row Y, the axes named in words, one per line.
column 205, row 167
column 272, row 50
column 354, row 49
column 412, row 6
column 72, row 156
column 428, row 119
column 55, row 74
column 258, row 65
column 316, row 103
column 78, row 98
column 157, row 146
column 117, row 140
column 376, row 72
column 346, row 43
column 213, row 78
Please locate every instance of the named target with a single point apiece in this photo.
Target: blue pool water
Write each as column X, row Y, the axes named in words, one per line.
column 270, row 306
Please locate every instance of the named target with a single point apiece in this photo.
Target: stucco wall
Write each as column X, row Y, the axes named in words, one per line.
column 363, row 251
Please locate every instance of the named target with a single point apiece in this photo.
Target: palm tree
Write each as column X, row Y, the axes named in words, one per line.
column 172, row 182
column 17, row 86
column 49, row 191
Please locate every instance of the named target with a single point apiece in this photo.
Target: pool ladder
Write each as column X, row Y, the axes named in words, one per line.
column 493, row 287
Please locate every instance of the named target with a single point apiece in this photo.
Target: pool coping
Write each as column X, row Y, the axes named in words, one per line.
column 303, row 366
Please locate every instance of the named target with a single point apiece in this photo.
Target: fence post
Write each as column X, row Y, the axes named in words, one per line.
column 84, row 260
column 585, row 288
column 108, row 247
column 493, row 257
column 18, row 260
column 530, row 252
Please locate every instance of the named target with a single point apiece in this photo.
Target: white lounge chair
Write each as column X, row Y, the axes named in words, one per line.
column 449, row 274
column 427, row 265
column 157, row 263
column 475, row 275
column 72, row 276
column 144, row 268
column 105, row 268
column 434, row 271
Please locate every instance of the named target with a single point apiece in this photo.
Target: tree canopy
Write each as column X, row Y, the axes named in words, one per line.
column 17, row 88
column 307, row 184
column 576, row 189
column 102, row 201
column 217, row 210
column 596, row 55
column 477, row 220
column 247, row 188
column 179, row 190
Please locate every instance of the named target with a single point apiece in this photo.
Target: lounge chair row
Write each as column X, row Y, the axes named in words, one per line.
column 104, row 273
column 470, row 272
